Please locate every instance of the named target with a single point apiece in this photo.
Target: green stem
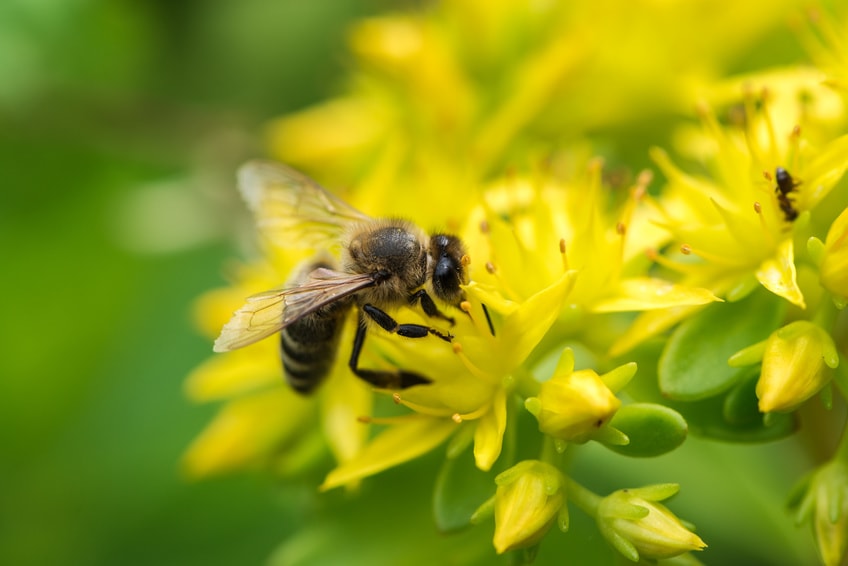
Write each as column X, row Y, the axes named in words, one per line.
column 586, row 500
column 842, row 450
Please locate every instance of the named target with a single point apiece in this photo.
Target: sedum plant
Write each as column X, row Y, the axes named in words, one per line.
column 695, row 287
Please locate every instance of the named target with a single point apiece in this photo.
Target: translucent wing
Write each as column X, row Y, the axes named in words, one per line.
column 291, row 209
column 271, row 311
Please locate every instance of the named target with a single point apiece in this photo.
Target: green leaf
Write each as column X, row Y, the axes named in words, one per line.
column 740, row 404
column 652, row 429
column 708, row 419
column 694, row 364
column 460, row 489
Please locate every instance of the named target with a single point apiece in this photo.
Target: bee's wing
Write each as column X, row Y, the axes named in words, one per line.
column 291, row 209
column 271, row 311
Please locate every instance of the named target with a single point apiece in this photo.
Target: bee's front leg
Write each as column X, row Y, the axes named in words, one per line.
column 383, row 379
column 428, row 306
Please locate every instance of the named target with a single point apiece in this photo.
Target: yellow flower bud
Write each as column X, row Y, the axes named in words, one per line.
column 834, row 266
column 641, row 528
column 573, row 405
column 528, row 499
column 793, row 366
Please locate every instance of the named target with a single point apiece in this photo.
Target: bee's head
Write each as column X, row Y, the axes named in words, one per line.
column 447, row 254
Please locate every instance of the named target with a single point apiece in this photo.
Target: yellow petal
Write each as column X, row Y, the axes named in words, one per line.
column 488, row 436
column 645, row 293
column 235, row 373
column 344, row 400
column 777, row 274
column 525, row 327
column 410, row 438
column 246, row 430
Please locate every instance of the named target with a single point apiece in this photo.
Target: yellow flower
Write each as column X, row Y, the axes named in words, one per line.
column 735, row 229
column 263, row 422
column 834, row 264
column 639, row 527
column 574, row 405
column 529, row 498
column 794, row 359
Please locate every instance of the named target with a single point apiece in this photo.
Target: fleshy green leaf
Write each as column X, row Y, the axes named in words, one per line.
column 694, row 363
column 652, row 429
column 461, row 488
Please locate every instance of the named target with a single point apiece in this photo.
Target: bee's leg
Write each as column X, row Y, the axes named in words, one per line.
column 429, row 307
column 389, row 324
column 383, row 379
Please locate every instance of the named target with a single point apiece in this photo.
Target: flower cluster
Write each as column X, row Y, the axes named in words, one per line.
column 604, row 309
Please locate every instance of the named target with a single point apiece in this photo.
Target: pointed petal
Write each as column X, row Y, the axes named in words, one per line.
column 404, row 441
column 235, row 373
column 488, row 437
column 646, row 293
column 525, row 327
column 777, row 274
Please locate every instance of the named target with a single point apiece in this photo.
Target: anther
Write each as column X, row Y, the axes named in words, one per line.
column 620, row 229
column 767, row 175
column 456, row 417
column 457, row 349
column 484, row 226
column 758, row 207
column 465, row 260
column 490, row 267
column 685, row 249
column 465, row 306
column 396, row 398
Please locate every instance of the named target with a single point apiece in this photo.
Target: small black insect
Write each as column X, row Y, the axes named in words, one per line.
column 785, row 185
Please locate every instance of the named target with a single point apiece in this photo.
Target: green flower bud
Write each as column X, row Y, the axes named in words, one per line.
column 794, row 366
column 825, row 504
column 573, row 406
column 528, row 500
column 638, row 527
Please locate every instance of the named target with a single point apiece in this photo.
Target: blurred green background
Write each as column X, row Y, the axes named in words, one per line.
column 121, row 124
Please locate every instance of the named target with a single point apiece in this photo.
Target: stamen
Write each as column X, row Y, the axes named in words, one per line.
column 686, row 249
column 490, row 267
column 469, row 365
column 620, row 229
column 668, row 263
column 465, row 260
column 768, row 176
column 484, row 227
column 456, row 417
column 563, row 254
column 758, row 208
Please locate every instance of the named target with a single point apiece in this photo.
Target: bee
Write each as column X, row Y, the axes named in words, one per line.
column 785, row 185
column 384, row 263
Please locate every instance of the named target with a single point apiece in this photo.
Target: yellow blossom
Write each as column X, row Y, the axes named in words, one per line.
column 573, row 405
column 529, row 497
column 794, row 359
column 639, row 527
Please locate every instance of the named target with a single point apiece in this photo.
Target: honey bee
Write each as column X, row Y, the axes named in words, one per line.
column 384, row 263
column 785, row 185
